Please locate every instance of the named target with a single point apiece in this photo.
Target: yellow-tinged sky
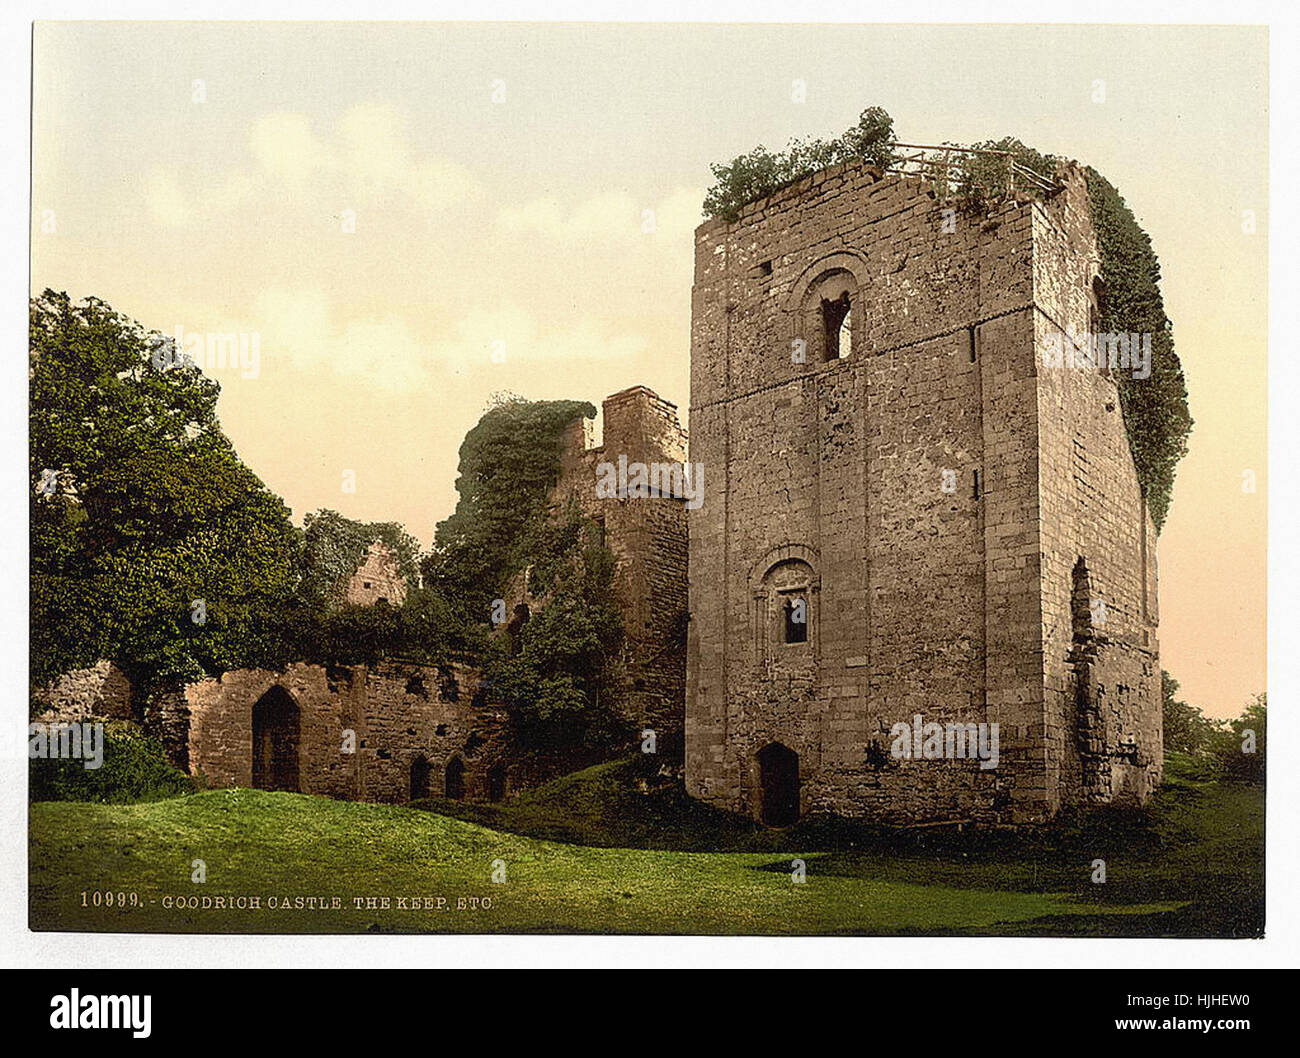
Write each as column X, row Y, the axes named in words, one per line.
column 497, row 179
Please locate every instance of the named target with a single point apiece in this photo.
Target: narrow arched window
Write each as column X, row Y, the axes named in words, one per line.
column 795, row 609
column 837, row 316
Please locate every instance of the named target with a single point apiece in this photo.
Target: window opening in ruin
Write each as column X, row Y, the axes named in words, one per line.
column 515, row 628
column 977, row 485
column 778, row 772
column 420, row 771
column 795, row 612
column 275, row 741
column 496, row 782
column 836, row 319
column 1081, row 602
column 454, row 780
column 970, row 343
column 1096, row 309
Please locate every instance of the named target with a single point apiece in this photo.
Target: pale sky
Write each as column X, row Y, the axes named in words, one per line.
column 497, row 179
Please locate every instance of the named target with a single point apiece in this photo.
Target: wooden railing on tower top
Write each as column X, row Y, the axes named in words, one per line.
column 951, row 168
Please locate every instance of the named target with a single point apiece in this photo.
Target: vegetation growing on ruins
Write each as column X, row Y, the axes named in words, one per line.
column 334, row 546
column 1156, row 414
column 1157, row 418
column 563, row 678
column 760, row 173
column 153, row 545
column 508, row 463
column 561, row 674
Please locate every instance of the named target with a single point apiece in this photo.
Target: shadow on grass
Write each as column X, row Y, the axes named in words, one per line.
column 1200, row 843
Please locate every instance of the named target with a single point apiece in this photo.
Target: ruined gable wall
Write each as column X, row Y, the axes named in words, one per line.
column 378, row 577
column 101, row 691
column 841, row 463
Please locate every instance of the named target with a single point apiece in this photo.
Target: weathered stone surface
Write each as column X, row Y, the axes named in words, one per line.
column 927, row 496
column 360, row 733
column 378, row 578
column 101, row 691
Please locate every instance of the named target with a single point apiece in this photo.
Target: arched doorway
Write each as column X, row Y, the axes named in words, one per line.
column 496, row 782
column 275, row 741
column 455, row 779
column 778, row 772
column 420, row 772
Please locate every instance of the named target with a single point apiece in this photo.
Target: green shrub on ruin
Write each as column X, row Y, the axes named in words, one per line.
column 509, row 461
column 750, row 177
column 135, row 767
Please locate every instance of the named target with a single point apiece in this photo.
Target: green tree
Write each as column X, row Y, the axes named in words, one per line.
column 1186, row 729
column 562, row 679
column 152, row 543
column 1239, row 746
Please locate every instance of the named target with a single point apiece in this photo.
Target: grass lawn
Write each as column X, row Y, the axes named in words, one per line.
column 590, row 853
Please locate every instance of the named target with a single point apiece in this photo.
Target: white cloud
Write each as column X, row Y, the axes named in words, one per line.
column 607, row 217
column 170, row 205
column 286, row 149
column 299, row 327
column 368, row 157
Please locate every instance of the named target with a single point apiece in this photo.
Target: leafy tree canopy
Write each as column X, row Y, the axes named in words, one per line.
column 152, row 543
column 760, row 173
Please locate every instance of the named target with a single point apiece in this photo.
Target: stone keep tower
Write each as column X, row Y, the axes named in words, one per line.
column 908, row 512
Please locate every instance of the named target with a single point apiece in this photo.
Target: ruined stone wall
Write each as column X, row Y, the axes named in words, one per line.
column 1104, row 706
column 397, row 712
column 379, row 576
column 101, row 691
column 647, row 536
column 897, row 488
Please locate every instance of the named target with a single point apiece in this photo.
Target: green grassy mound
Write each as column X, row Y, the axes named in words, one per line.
column 1192, row 865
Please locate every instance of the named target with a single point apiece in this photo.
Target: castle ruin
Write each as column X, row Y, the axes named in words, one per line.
column 911, row 519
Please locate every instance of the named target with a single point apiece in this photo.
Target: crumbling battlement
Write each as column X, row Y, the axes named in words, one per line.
column 378, row 578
